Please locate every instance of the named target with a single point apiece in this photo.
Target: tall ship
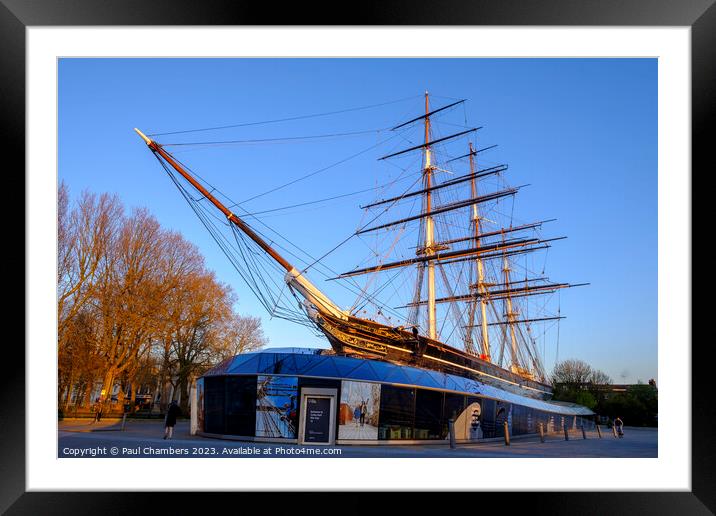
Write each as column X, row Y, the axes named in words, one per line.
column 446, row 253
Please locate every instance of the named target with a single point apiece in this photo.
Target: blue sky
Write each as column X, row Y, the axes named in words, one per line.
column 581, row 132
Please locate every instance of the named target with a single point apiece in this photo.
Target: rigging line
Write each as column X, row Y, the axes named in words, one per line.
column 351, row 286
column 369, row 222
column 364, row 290
column 288, row 119
column 286, row 138
column 348, row 285
column 431, row 115
column 464, row 126
column 294, row 181
column 371, row 298
column 326, row 199
column 262, row 223
column 254, row 213
column 382, row 306
column 209, row 228
column 381, row 242
column 397, row 290
column 248, row 277
column 445, row 97
column 255, row 260
column 453, row 306
column 559, row 312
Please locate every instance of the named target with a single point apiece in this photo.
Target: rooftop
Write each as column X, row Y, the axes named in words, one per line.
column 322, row 363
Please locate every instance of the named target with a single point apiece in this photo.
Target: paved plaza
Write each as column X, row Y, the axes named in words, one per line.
column 81, row 438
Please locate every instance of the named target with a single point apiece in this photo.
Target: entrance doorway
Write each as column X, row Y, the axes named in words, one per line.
column 318, row 416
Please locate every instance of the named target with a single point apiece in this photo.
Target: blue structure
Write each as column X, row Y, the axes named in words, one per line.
column 314, row 396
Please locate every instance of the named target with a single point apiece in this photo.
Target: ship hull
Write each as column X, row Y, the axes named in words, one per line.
column 368, row 339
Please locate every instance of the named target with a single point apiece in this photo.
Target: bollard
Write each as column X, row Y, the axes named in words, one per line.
column 566, row 433
column 541, row 432
column 451, row 431
column 124, row 420
column 584, row 434
column 614, row 431
column 599, row 431
column 507, row 435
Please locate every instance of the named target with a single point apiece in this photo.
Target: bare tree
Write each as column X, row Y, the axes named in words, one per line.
column 242, row 335
column 578, row 373
column 136, row 305
column 181, row 261
column 129, row 296
column 203, row 310
column 84, row 234
column 79, row 364
column 571, row 372
column 600, row 378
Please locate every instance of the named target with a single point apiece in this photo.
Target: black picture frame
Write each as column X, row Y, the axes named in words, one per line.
column 17, row 15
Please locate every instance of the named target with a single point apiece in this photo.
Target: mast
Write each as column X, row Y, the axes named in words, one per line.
column 510, row 315
column 429, row 228
column 478, row 261
column 293, row 277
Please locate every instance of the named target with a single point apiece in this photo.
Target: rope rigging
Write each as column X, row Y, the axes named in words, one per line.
column 458, row 227
column 287, row 119
column 274, row 140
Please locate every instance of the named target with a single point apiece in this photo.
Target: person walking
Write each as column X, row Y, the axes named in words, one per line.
column 356, row 415
column 619, row 424
column 172, row 413
column 363, row 410
column 98, row 414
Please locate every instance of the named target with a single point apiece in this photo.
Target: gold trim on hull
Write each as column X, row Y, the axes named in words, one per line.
column 369, row 339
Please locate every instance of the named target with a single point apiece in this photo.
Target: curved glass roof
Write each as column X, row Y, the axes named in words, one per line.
column 317, row 363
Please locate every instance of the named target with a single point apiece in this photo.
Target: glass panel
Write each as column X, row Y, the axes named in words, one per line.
column 266, row 362
column 322, row 367
column 397, row 375
column 503, row 413
column 437, row 378
column 382, row 370
column 277, row 406
column 365, row 372
column 544, row 419
column 417, row 377
column 397, row 411
column 240, row 405
column 214, row 404
column 428, row 411
column 249, row 364
column 430, row 379
column 488, row 418
column 531, row 421
column 297, row 364
column 519, row 420
column 454, row 405
column 358, row 411
column 345, row 366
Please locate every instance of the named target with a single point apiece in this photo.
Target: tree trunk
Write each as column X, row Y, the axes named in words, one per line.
column 66, row 395
column 87, row 399
column 183, row 394
column 156, row 396
column 132, row 393
column 106, row 392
